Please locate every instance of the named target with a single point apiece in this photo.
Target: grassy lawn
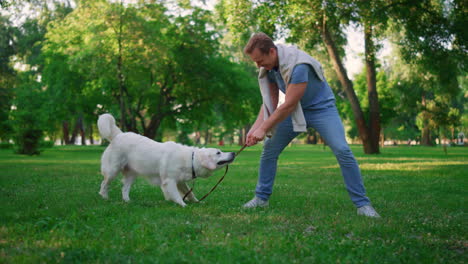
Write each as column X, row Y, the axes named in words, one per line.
column 51, row 211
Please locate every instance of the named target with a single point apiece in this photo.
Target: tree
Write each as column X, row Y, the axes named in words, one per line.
column 388, row 98
column 7, row 75
column 433, row 40
column 27, row 113
column 28, row 117
column 314, row 23
column 30, row 52
column 310, row 23
column 156, row 67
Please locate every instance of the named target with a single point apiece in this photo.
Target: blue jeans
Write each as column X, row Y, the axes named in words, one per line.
column 328, row 123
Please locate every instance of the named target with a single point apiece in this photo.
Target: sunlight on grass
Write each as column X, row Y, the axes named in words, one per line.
column 392, row 164
column 51, row 212
column 410, row 166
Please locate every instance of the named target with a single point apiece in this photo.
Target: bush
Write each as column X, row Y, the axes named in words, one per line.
column 47, row 144
column 28, row 141
column 5, row 145
column 29, row 117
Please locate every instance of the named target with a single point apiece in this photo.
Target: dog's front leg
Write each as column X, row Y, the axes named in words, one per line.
column 171, row 192
column 184, row 189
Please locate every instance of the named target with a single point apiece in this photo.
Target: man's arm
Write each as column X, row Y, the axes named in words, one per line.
column 294, row 93
column 274, row 96
column 249, row 140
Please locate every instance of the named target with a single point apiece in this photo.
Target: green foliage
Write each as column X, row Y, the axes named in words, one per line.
column 431, row 36
column 434, row 35
column 4, row 3
column 433, row 42
column 7, row 75
column 174, row 68
column 310, row 219
column 6, row 145
column 170, row 66
column 28, row 119
column 432, row 104
column 32, row 107
column 66, row 91
column 440, row 113
column 388, row 97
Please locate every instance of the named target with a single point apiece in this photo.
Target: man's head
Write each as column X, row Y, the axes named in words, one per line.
column 262, row 51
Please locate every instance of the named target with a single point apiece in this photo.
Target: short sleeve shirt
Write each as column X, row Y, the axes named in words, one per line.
column 318, row 94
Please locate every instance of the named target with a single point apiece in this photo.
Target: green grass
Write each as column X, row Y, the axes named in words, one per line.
column 51, row 211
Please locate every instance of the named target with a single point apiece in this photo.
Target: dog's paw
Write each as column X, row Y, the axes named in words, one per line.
column 181, row 203
column 191, row 200
column 104, row 196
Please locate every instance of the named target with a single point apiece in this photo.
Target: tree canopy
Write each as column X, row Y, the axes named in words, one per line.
column 174, row 67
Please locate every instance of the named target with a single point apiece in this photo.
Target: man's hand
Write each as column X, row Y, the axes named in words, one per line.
column 259, row 135
column 250, row 140
column 255, row 137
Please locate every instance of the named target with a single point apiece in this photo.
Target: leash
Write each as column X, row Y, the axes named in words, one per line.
column 219, row 181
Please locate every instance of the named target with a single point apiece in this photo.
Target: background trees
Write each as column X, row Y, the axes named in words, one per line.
column 7, row 75
column 427, row 26
column 154, row 66
column 179, row 69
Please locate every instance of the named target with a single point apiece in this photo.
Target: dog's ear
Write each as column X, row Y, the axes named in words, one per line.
column 207, row 161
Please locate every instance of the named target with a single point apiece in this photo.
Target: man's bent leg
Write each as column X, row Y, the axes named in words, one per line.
column 269, row 159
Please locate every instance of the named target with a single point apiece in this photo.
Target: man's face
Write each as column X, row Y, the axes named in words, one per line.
column 267, row 61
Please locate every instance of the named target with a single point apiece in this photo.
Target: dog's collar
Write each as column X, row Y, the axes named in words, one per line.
column 193, row 169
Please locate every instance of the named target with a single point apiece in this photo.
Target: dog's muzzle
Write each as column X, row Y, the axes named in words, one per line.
column 231, row 158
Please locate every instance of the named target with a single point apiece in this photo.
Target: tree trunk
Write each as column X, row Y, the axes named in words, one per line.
column 91, row 138
column 374, row 109
column 452, row 133
column 81, row 129
column 443, row 140
column 66, row 132
column 382, row 137
column 241, row 140
column 426, row 139
column 152, row 129
column 243, row 134
column 74, row 133
column 120, row 76
column 197, row 138
column 132, row 121
column 348, row 88
column 207, row 137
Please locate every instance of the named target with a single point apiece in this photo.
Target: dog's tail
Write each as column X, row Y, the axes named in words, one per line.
column 107, row 127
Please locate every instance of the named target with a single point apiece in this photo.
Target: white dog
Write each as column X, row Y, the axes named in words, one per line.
column 169, row 165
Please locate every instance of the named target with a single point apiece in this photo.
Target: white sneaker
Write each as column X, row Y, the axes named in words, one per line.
column 368, row 211
column 256, row 202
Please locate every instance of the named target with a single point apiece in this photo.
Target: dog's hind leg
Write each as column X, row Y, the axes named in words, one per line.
column 128, row 179
column 111, row 165
column 171, row 192
column 184, row 189
column 109, row 176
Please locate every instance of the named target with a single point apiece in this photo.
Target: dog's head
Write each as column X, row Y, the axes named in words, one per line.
column 213, row 159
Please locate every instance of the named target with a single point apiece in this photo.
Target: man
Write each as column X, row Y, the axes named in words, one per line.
column 309, row 102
